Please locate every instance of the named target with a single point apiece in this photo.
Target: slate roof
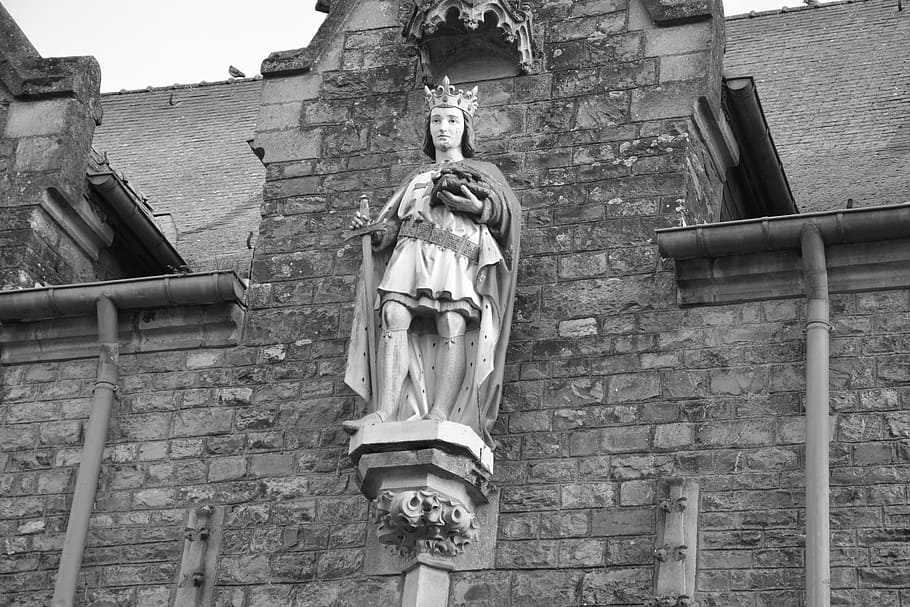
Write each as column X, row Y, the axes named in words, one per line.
column 834, row 82
column 185, row 148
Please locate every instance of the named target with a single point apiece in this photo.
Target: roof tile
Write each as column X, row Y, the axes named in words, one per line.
column 186, row 148
column 834, row 81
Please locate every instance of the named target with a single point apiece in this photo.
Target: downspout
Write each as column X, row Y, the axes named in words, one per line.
column 92, row 451
column 818, row 565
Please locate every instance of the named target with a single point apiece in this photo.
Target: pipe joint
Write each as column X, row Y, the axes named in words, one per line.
column 818, row 324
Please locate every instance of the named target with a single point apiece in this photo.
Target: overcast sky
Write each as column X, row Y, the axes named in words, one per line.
column 142, row 43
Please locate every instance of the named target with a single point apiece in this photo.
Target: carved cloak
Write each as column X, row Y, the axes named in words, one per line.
column 486, row 342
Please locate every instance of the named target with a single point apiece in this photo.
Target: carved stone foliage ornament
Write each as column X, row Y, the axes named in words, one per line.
column 434, row 17
column 423, row 522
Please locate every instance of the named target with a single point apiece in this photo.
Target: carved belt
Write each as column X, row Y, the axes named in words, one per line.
column 422, row 230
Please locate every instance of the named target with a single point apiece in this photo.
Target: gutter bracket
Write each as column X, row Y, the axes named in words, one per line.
column 676, row 547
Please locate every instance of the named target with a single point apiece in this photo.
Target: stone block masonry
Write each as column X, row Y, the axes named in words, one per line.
column 610, row 386
column 48, row 112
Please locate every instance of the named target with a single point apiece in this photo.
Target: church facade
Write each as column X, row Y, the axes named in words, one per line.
column 704, row 399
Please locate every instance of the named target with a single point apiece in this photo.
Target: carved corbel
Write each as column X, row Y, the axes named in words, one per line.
column 423, row 522
column 670, row 600
column 430, row 486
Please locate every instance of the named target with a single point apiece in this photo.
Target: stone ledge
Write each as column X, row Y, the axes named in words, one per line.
column 287, row 63
column 404, row 436
column 78, row 221
column 852, row 267
column 156, row 330
column 40, row 78
column 677, row 12
column 457, row 475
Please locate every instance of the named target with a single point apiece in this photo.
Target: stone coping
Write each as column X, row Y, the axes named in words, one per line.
column 395, row 436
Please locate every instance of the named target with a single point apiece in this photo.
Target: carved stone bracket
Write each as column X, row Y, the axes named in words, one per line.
column 515, row 25
column 423, row 522
column 671, row 600
column 429, row 482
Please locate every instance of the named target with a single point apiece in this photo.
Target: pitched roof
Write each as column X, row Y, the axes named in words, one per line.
column 834, row 82
column 185, row 148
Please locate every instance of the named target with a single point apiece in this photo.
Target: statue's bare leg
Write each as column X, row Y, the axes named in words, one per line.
column 393, row 359
column 450, row 364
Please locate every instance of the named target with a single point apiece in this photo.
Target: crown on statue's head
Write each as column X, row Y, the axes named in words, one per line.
column 445, row 95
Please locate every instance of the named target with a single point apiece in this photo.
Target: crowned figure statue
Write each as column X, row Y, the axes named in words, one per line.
column 445, row 251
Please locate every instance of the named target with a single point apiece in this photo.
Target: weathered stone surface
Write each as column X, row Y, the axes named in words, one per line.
column 610, row 387
column 672, row 12
column 616, row 585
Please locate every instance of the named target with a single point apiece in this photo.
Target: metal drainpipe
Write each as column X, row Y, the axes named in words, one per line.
column 92, row 451
column 818, row 563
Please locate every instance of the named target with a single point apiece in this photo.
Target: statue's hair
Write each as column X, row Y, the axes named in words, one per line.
column 467, row 138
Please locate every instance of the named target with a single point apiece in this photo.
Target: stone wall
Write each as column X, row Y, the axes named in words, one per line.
column 178, row 409
column 48, row 112
column 611, row 387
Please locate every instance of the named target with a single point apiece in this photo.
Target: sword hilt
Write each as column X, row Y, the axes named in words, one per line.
column 367, row 229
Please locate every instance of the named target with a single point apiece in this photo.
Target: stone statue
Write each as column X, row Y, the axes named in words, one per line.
column 444, row 270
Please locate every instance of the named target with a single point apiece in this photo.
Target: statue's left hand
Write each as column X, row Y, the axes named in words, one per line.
column 468, row 203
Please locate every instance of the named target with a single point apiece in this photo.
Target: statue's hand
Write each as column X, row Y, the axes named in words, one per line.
column 467, row 203
column 377, row 230
column 359, row 221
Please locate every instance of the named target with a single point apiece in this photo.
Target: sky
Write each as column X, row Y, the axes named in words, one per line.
column 142, row 43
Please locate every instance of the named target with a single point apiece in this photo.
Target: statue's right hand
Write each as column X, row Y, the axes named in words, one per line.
column 359, row 220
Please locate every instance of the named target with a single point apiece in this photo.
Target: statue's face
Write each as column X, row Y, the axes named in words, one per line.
column 446, row 128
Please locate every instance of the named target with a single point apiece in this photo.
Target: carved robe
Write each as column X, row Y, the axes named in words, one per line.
column 442, row 279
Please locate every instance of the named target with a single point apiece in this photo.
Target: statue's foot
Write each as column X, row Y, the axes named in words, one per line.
column 435, row 415
column 370, row 419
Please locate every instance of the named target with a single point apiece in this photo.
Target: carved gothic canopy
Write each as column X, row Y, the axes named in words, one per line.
column 481, row 38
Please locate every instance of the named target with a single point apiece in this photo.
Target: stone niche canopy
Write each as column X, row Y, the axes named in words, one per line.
column 471, row 40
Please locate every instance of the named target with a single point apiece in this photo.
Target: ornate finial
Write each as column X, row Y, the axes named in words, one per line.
column 445, row 95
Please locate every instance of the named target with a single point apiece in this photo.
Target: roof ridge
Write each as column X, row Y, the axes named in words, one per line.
column 178, row 86
column 794, row 9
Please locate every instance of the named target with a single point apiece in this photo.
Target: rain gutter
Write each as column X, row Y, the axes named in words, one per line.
column 105, row 298
column 126, row 206
column 867, row 224
column 760, row 158
column 129, row 294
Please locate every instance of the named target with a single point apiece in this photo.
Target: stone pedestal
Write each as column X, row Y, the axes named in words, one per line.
column 426, row 584
column 430, row 487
